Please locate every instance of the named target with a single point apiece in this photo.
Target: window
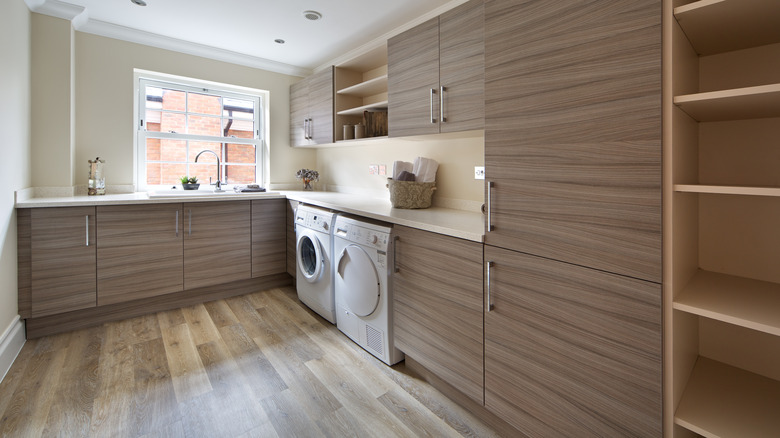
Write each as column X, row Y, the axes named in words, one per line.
column 177, row 121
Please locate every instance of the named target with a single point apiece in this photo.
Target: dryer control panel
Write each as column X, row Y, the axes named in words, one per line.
column 314, row 219
column 369, row 236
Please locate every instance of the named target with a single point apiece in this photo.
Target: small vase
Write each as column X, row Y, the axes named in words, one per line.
column 307, row 185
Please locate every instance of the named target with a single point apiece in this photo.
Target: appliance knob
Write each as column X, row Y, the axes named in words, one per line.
column 325, row 226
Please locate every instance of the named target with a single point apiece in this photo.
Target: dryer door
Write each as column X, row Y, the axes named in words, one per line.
column 309, row 255
column 361, row 282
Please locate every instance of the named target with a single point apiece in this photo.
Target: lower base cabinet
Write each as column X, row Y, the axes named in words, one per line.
column 571, row 351
column 269, row 237
column 437, row 311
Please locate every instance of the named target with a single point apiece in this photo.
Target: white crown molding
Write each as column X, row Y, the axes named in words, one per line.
column 79, row 17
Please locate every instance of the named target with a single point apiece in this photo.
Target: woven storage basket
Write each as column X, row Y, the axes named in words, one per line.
column 410, row 194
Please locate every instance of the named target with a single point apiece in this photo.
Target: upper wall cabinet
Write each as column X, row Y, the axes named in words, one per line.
column 311, row 110
column 436, row 74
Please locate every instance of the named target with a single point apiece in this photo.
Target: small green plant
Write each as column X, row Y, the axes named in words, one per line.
column 189, row 180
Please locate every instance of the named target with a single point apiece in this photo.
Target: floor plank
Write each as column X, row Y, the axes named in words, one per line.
column 259, row 365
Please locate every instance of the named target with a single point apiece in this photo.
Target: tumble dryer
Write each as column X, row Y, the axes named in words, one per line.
column 314, row 259
column 364, row 305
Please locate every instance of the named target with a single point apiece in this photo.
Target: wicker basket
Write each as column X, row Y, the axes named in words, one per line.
column 410, row 194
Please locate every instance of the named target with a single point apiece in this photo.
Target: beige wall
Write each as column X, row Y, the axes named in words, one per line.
column 347, row 167
column 15, row 141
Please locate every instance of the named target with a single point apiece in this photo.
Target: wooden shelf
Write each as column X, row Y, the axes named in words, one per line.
column 736, row 300
column 723, row 401
column 359, row 110
column 727, row 190
column 740, row 103
column 718, row 26
column 368, row 88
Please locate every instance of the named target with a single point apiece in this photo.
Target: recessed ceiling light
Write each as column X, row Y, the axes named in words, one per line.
column 139, row 2
column 312, row 15
column 279, row 41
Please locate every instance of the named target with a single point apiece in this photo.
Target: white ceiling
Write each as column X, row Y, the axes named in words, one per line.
column 243, row 31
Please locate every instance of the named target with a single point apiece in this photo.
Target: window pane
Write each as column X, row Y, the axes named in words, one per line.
column 163, row 121
column 240, row 174
column 240, row 153
column 204, row 104
column 238, row 128
column 204, row 125
column 153, row 172
column 197, row 147
column 235, row 106
column 152, row 149
column 173, row 150
column 174, row 100
column 172, row 172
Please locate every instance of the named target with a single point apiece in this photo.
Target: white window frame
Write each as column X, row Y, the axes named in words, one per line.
column 260, row 140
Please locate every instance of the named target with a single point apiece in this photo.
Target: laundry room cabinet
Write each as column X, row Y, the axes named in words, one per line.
column 311, row 110
column 573, row 268
column 437, row 295
column 269, row 237
column 436, row 74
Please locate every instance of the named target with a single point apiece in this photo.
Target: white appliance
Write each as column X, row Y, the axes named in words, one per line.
column 364, row 305
column 314, row 259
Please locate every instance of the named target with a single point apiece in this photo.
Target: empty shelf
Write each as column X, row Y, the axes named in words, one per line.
column 740, row 103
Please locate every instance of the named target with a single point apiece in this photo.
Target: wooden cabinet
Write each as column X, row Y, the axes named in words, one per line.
column 571, row 351
column 437, row 296
column 269, row 237
column 573, row 132
column 217, row 243
column 291, row 238
column 311, row 110
column 61, row 255
column 723, row 206
column 436, row 74
column 140, row 251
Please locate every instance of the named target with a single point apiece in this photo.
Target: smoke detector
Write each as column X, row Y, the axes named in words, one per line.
column 312, row 15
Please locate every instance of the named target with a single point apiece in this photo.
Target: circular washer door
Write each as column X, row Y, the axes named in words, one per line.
column 361, row 282
column 309, row 255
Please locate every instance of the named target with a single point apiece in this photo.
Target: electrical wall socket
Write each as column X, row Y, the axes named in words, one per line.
column 373, row 169
column 479, row 172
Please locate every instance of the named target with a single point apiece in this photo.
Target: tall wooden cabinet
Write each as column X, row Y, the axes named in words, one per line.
column 311, row 110
column 722, row 214
column 437, row 296
column 436, row 74
column 573, row 158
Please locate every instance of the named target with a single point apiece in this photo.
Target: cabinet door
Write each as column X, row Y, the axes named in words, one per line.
column 437, row 296
column 299, row 113
column 62, row 259
column 462, row 67
column 321, row 107
column 412, row 78
column 139, row 251
column 269, row 237
column 573, row 131
column 571, row 351
column 217, row 243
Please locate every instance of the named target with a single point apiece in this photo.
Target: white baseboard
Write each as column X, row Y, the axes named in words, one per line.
column 11, row 343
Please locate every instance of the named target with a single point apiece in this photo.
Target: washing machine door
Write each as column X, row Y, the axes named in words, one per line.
column 361, row 281
column 309, row 253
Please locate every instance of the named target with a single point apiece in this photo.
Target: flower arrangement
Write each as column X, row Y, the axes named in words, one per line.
column 308, row 176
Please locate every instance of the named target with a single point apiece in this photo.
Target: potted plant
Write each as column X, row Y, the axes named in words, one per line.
column 189, row 183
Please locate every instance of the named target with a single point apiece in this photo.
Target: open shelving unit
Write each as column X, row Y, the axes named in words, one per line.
column 361, row 85
column 722, row 213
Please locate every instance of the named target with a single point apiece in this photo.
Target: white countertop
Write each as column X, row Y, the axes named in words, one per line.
column 463, row 224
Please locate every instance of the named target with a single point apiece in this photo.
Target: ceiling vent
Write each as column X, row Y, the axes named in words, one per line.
column 312, row 15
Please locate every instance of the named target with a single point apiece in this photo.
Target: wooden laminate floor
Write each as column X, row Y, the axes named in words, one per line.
column 259, row 365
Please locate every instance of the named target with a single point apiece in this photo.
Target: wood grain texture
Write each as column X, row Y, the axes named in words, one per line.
column 573, row 131
column 437, row 305
column 299, row 111
column 140, row 251
column 321, row 106
column 62, row 264
column 462, row 66
column 24, row 261
column 269, row 233
column 120, row 380
column 412, row 71
column 571, row 351
column 291, row 206
column 217, row 243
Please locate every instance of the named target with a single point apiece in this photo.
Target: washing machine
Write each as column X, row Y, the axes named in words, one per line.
column 314, row 259
column 364, row 305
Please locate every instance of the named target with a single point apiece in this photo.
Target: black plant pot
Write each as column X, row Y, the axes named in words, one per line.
column 190, row 186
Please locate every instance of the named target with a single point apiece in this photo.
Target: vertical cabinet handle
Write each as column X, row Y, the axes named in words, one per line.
column 489, row 206
column 306, row 128
column 396, row 239
column 441, row 104
column 86, row 221
column 487, row 286
column 189, row 229
column 177, row 223
column 433, row 93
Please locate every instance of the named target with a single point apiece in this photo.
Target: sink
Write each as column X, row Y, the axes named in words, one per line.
column 176, row 193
